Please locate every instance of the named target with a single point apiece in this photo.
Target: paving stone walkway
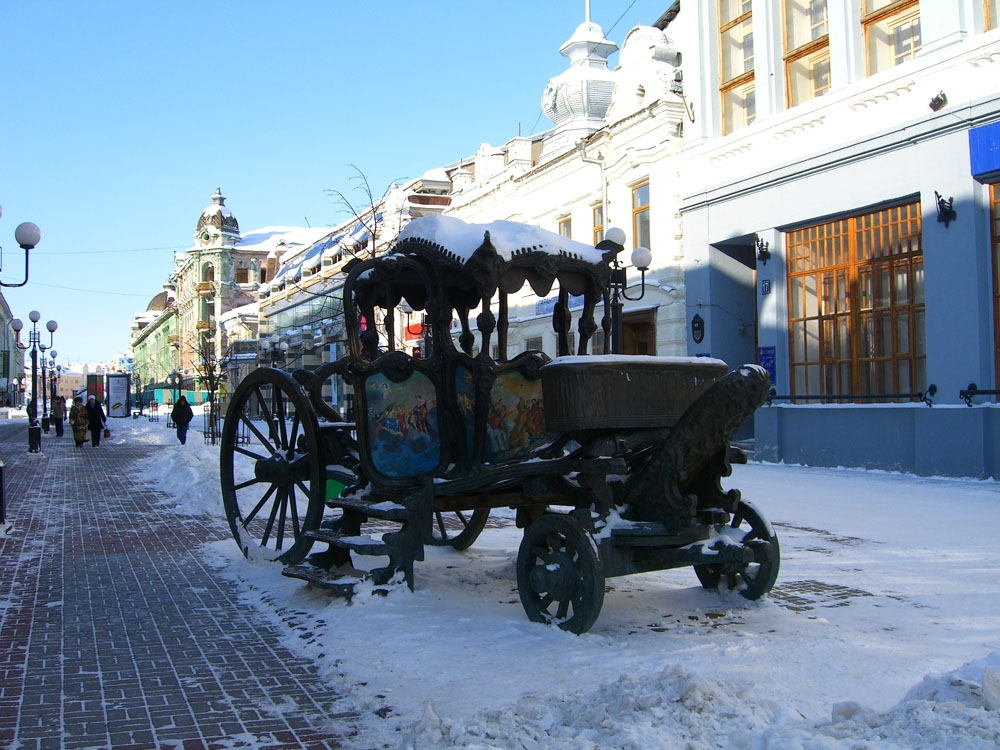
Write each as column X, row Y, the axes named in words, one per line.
column 115, row 634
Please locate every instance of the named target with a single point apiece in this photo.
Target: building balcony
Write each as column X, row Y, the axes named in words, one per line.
column 202, row 325
column 173, row 340
column 204, row 288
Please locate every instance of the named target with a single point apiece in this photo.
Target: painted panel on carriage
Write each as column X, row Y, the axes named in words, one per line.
column 516, row 422
column 403, row 439
column 466, row 390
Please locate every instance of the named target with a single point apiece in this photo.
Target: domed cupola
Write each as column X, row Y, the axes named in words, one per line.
column 217, row 223
column 578, row 98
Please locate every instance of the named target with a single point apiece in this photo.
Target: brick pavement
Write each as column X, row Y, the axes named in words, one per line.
column 115, row 634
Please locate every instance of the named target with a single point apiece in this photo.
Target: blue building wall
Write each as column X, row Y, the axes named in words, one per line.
column 956, row 441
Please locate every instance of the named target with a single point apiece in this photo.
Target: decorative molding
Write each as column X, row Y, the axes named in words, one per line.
column 799, row 128
column 981, row 60
column 874, row 98
column 737, row 151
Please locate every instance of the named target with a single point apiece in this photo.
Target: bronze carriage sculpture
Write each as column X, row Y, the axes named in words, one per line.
column 439, row 440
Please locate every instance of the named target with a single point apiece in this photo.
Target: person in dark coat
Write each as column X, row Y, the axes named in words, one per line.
column 58, row 414
column 96, row 421
column 181, row 415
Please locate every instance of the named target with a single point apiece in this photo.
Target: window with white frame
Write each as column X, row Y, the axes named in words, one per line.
column 566, row 227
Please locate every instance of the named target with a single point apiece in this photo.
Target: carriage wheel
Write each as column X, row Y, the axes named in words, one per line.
column 559, row 576
column 458, row 529
column 273, row 481
column 757, row 577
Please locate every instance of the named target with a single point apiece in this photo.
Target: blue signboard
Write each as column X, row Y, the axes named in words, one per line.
column 984, row 149
column 765, row 358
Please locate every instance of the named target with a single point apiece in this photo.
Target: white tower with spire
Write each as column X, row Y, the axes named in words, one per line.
column 577, row 99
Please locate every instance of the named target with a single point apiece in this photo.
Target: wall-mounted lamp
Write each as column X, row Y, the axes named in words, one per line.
column 939, row 101
column 762, row 247
column 945, row 211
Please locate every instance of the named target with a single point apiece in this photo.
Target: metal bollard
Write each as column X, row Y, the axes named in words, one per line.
column 5, row 525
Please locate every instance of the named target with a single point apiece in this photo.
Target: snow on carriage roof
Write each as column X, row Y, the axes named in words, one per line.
column 458, row 240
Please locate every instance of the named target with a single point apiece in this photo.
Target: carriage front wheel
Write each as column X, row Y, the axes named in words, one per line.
column 559, row 576
column 273, row 479
column 753, row 579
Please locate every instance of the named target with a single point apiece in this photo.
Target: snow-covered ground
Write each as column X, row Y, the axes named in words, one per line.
column 882, row 631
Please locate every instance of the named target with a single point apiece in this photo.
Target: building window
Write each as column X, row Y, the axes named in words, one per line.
column 566, row 227
column 995, row 223
column 892, row 32
column 856, row 305
column 807, row 50
column 534, row 344
column 640, row 216
column 739, row 106
column 598, row 223
column 242, row 275
column 991, row 14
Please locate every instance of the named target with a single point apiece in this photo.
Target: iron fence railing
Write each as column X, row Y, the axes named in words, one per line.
column 967, row 394
column 924, row 396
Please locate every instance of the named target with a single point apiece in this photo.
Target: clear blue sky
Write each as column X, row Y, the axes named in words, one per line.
column 120, row 119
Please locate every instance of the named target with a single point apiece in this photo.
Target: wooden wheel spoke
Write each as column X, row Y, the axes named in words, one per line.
column 563, row 609
column 247, row 452
column 256, row 509
column 244, row 419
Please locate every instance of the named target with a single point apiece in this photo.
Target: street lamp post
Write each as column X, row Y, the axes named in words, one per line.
column 614, row 240
column 34, row 344
column 27, row 236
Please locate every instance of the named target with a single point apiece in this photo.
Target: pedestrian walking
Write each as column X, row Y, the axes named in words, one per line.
column 79, row 421
column 181, row 415
column 58, row 414
column 96, row 421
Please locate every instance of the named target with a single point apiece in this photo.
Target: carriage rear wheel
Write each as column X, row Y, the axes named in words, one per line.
column 757, row 577
column 559, row 576
column 458, row 529
column 273, row 479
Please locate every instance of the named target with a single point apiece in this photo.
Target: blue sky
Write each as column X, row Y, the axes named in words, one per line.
column 120, row 119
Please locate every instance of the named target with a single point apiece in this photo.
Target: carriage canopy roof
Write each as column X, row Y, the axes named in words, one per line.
column 457, row 240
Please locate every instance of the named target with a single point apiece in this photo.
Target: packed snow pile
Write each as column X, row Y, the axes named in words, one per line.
column 687, row 710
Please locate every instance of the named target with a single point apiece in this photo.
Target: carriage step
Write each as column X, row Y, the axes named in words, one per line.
column 363, row 544
column 386, row 510
column 653, row 534
column 341, row 584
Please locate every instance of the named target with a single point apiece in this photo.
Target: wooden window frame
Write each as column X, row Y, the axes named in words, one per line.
column 871, row 18
column 565, row 227
column 597, row 215
column 849, row 332
column 744, row 80
column 637, row 211
column 995, row 240
column 990, row 20
column 814, row 48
